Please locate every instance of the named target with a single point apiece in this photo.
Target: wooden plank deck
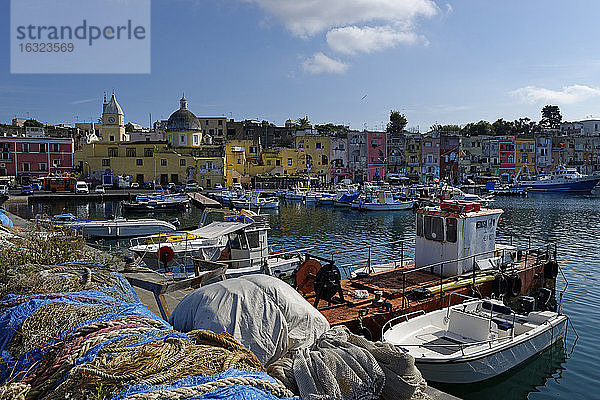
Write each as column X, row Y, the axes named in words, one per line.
column 202, row 201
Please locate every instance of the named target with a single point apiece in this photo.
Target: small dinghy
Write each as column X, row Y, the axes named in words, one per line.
column 473, row 341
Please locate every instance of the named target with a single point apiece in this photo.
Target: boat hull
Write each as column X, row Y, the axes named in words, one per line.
column 405, row 205
column 577, row 186
column 117, row 229
column 267, row 205
column 477, row 369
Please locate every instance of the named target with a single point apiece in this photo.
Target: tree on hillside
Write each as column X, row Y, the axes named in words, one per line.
column 524, row 126
column 397, row 122
column 34, row 123
column 303, row 123
column 502, row 127
column 551, row 117
column 332, row 129
column 478, row 128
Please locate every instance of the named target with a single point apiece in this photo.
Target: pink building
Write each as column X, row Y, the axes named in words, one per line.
column 376, row 156
column 507, row 158
column 30, row 157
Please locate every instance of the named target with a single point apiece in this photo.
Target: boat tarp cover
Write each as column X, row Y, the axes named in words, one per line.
column 218, row 229
column 262, row 312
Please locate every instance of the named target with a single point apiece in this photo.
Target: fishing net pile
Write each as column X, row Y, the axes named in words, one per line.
column 294, row 340
column 78, row 331
column 48, row 247
column 342, row 365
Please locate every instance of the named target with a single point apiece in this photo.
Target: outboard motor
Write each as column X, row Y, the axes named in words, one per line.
column 526, row 304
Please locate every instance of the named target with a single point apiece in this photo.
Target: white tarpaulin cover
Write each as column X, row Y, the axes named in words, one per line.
column 262, row 312
column 218, row 229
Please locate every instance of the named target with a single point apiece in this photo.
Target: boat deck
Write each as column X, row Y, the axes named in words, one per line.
column 202, row 201
column 397, row 284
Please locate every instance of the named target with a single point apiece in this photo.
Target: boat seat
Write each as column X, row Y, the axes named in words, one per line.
column 503, row 325
column 468, row 325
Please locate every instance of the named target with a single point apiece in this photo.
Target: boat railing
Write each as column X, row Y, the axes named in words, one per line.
column 388, row 324
column 526, row 256
column 264, row 258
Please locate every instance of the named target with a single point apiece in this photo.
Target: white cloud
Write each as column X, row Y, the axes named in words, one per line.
column 352, row 39
column 568, row 94
column 306, row 18
column 449, row 8
column 320, row 63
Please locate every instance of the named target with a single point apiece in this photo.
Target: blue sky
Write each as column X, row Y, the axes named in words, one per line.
column 340, row 61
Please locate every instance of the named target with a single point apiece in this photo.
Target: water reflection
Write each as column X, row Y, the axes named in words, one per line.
column 532, row 376
column 573, row 222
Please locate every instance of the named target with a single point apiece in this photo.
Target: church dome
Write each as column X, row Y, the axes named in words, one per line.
column 183, row 119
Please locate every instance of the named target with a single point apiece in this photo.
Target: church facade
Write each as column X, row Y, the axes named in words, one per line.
column 182, row 156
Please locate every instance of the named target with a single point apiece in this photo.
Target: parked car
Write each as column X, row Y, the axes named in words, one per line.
column 218, row 186
column 179, row 188
column 81, row 187
column 135, row 185
column 3, row 190
column 36, row 185
column 192, row 187
column 26, row 190
column 148, row 185
column 237, row 186
column 100, row 189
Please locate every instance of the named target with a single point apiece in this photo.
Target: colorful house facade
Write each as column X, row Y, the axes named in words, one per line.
column 376, row 156
column 507, row 154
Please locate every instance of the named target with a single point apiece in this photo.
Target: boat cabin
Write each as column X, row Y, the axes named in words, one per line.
column 249, row 244
column 456, row 230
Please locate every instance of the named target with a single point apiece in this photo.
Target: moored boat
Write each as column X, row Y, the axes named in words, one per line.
column 156, row 202
column 564, row 180
column 240, row 242
column 385, row 201
column 254, row 201
column 474, row 340
column 112, row 228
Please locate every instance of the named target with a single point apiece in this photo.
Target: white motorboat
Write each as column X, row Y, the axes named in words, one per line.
column 156, row 202
column 385, row 201
column 255, row 202
column 454, row 193
column 473, row 341
column 112, row 228
column 561, row 180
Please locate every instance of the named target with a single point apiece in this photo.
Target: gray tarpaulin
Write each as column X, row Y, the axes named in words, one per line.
column 262, row 312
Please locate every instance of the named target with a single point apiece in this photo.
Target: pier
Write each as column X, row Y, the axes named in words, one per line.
column 202, row 201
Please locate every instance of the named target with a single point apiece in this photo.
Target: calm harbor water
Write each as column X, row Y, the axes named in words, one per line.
column 573, row 222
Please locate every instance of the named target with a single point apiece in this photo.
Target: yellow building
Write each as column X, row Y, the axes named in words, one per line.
column 279, row 162
column 239, row 155
column 317, row 150
column 412, row 155
column 525, row 155
column 180, row 160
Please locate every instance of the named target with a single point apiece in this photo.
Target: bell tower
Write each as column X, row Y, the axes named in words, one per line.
column 113, row 122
